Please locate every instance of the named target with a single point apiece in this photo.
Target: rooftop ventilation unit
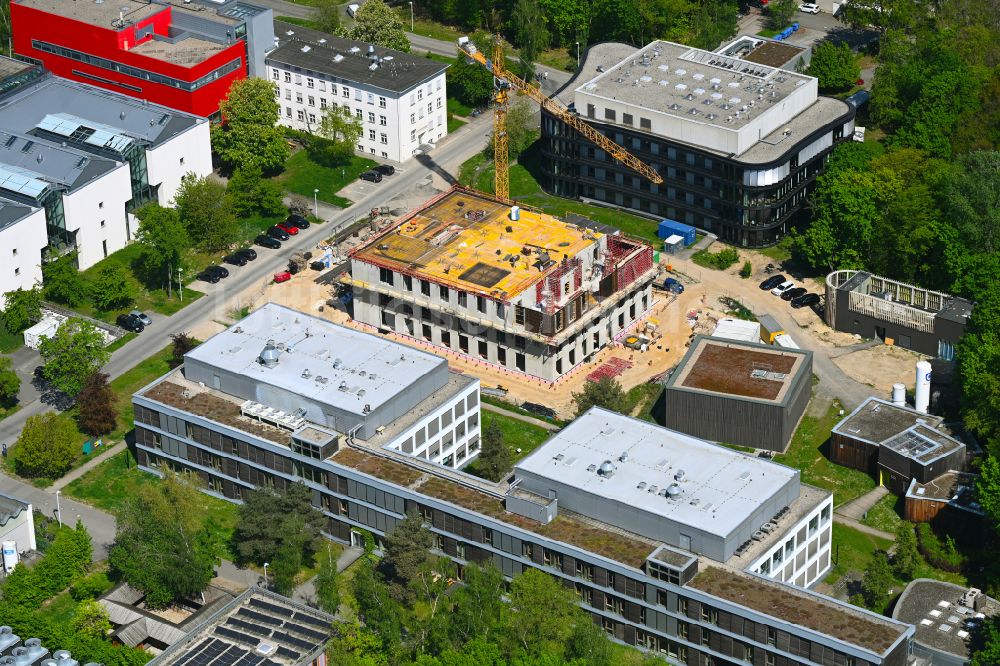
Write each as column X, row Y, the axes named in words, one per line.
column 679, row 475
column 342, row 386
column 652, row 489
column 269, row 355
column 641, row 486
column 266, row 649
column 623, row 457
column 607, row 469
column 306, row 374
column 673, row 490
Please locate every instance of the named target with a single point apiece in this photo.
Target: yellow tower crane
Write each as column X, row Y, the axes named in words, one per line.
column 504, row 81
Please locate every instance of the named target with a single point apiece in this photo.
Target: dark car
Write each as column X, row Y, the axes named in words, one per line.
column 673, row 285
column 248, row 253
column 130, row 323
column 217, row 270
column 793, row 293
column 275, row 232
column 208, row 276
column 805, row 301
column 371, row 176
column 318, row 265
column 541, row 410
column 236, row 259
column 297, row 221
column 772, row 282
column 266, row 241
column 385, row 169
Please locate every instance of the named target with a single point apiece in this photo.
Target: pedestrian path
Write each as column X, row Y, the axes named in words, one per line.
column 857, row 508
column 75, row 474
column 520, row 417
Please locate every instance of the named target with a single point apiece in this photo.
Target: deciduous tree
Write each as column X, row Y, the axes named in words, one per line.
column 905, row 557
column 251, row 194
column 326, row 582
column 341, row 130
column 182, row 343
column 327, row 16
column 97, row 406
column 22, row 308
column 407, row 548
column 522, row 129
column 287, row 559
column 164, row 240
column 780, row 13
column 91, row 619
column 530, row 36
column 10, row 383
column 978, row 356
column 376, row 23
column 541, row 615
column 469, row 82
column 249, row 134
column 114, row 287
column 63, row 283
column 606, row 393
column 47, row 446
column 988, row 489
column 495, row 458
column 255, row 538
column 877, row 580
column 206, row 212
column 76, row 350
column 835, row 65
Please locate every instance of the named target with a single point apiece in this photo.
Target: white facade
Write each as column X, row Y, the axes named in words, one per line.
column 18, row 528
column 167, row 163
column 802, row 557
column 21, row 245
column 96, row 212
column 394, row 124
column 449, row 435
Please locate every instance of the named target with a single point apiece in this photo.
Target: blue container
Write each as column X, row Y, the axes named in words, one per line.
column 779, row 37
column 786, row 33
column 669, row 228
column 795, row 27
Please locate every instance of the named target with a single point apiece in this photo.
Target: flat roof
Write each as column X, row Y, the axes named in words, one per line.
column 718, row 488
column 824, row 615
column 101, row 14
column 466, row 240
column 773, row 54
column 349, row 59
column 12, row 67
column 186, row 52
column 233, row 633
column 923, row 444
column 731, row 328
column 956, row 488
column 359, row 368
column 736, row 368
column 933, row 608
column 876, row 420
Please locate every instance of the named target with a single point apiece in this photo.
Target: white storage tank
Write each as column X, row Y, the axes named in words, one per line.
column 922, row 393
column 515, row 213
column 10, row 557
column 899, row 394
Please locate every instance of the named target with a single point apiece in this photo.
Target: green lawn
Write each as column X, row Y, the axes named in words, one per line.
column 454, row 123
column 885, row 515
column 782, row 251
column 510, row 407
column 564, row 59
column 302, row 176
column 9, row 342
column 642, row 400
column 429, row 28
column 457, row 108
column 852, row 551
column 516, row 435
column 294, row 20
column 808, row 453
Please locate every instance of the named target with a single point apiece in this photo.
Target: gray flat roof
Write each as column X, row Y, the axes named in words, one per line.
column 185, row 52
column 372, row 369
column 876, row 420
column 719, row 489
column 102, row 14
column 823, row 111
column 327, row 54
column 922, row 443
column 956, row 488
column 932, row 607
column 10, row 507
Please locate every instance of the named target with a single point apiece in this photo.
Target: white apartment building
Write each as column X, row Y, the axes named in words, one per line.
column 399, row 98
column 76, row 162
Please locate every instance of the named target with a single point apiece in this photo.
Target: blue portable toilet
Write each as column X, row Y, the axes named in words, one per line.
column 795, row 27
column 670, row 228
column 778, row 37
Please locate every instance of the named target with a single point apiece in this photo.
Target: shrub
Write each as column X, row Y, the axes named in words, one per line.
column 90, row 586
column 746, row 271
column 938, row 553
column 719, row 260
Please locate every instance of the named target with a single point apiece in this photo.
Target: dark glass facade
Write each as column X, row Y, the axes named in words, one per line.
column 700, row 188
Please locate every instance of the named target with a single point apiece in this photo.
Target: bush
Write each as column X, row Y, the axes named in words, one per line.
column 718, row 260
column 65, row 561
column 746, row 271
column 938, row 553
column 90, row 586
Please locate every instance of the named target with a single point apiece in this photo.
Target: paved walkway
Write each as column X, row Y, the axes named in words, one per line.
column 857, row 508
column 861, row 527
column 520, row 417
column 106, row 453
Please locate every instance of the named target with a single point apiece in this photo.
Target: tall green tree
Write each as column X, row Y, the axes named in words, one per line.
column 91, row 619
column 327, row 16
column 249, row 134
column 541, row 615
column 835, row 65
column 780, row 13
column 877, row 580
column 407, row 549
column 47, row 446
column 530, row 36
column 341, row 130
column 978, row 365
column 255, row 539
column 114, row 288
column 606, row 393
column 206, row 212
column 181, row 344
column 63, row 283
column 10, row 383
column 164, row 240
column 905, row 557
column 495, row 459
column 97, row 403
column 162, row 546
column 251, row 194
column 327, row 583
column 376, row 23
column 989, row 653
column 522, row 129
column 479, row 608
column 469, row 82
column 76, row 350
column 287, row 559
column 22, row 308
column 971, row 201
column 988, row 489
column 378, row 609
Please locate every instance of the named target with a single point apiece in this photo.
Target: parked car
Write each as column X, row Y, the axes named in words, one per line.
column 809, row 8
column 673, row 285
column 267, row 241
column 541, row 410
column 248, row 253
column 772, row 282
column 143, row 317
column 130, row 323
column 318, row 265
column 385, row 169
column 283, row 276
column 218, row 270
column 289, row 229
column 278, row 233
column 207, row 276
column 789, row 294
column 783, row 287
column 236, row 259
column 297, row 221
column 805, row 301
column 371, row 176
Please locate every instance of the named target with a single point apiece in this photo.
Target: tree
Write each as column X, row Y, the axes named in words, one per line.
column 327, row 16
column 91, row 619
column 606, row 393
column 780, row 12
column 530, row 36
column 380, row 612
column 47, row 446
column 10, row 383
column 251, row 194
column 905, row 557
column 326, row 583
column 341, row 130
column 22, row 308
column 989, row 653
column 978, row 365
column 206, row 212
column 376, row 23
column 478, row 609
column 288, row 558
column 162, row 546
column 113, row 289
column 835, row 65
column 495, row 458
column 255, row 538
column 542, row 613
column 972, row 201
column 62, row 282
column 76, row 350
column 182, row 344
column 97, row 402
column 877, row 580
column 988, row 489
column 406, row 550
column 469, row 82
column 746, row 271
column 164, row 240
column 249, row 134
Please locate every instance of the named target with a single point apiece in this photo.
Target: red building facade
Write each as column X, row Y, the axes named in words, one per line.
column 128, row 47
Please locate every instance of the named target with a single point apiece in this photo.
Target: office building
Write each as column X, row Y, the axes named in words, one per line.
column 928, row 322
column 76, row 162
column 515, row 288
column 738, row 143
column 743, row 393
column 684, row 605
column 182, row 54
column 399, row 98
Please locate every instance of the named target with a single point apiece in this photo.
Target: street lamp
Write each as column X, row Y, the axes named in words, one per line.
column 316, row 202
column 180, row 282
column 411, row 17
column 265, row 574
column 58, row 508
column 578, row 55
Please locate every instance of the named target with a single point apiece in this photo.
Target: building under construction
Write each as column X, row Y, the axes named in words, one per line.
column 516, row 288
